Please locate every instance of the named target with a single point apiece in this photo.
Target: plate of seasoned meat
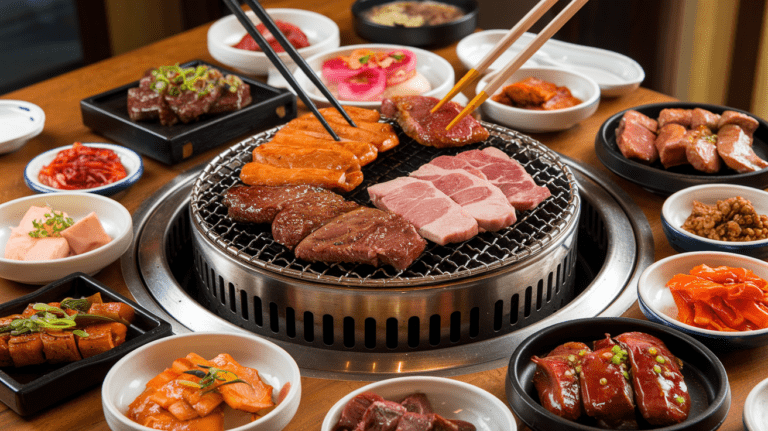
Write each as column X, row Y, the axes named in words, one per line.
column 616, row 373
column 666, row 147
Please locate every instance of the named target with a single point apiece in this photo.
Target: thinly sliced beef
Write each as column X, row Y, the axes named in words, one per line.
column 365, row 235
column 480, row 199
column 436, row 216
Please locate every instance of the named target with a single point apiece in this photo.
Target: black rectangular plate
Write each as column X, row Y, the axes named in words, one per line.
column 28, row 390
column 107, row 114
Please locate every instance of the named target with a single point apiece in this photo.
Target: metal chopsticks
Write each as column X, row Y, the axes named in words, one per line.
column 234, row 6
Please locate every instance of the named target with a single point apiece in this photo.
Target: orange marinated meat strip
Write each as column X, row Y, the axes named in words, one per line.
column 260, row 174
column 26, row 349
column 119, row 311
column 252, row 396
column 148, row 413
column 364, row 151
column 101, row 338
column 60, row 346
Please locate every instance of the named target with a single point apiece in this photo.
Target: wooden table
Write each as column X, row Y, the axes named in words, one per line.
column 59, row 98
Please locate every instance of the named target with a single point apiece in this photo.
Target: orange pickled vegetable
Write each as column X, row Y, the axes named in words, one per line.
column 721, row 298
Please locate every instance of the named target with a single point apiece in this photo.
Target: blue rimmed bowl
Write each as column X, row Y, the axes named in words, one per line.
column 679, row 205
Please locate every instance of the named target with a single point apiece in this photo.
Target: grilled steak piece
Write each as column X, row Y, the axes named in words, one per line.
column 734, row 145
column 189, row 105
column 365, row 235
column 436, row 216
column 305, row 215
column 480, row 199
column 747, row 123
column 671, row 144
column 635, row 137
column 260, row 204
column 414, row 116
column 145, row 105
column 702, row 150
column 234, row 95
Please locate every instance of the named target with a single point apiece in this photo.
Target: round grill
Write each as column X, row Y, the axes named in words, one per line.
column 534, row 232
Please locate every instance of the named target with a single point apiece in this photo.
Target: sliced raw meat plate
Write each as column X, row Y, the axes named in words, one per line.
column 503, row 172
column 635, row 137
column 414, row 116
column 747, row 123
column 671, row 144
column 436, row 216
column 480, row 199
column 365, row 235
column 735, row 147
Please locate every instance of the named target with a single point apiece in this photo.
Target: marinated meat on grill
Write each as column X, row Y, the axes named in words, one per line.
column 261, row 204
column 671, row 144
column 605, row 392
column 701, row 152
column 747, row 123
column 382, row 135
column 303, row 216
column 660, row 392
column 734, row 145
column 338, row 160
column 635, row 137
column 365, row 235
column 480, row 199
column 682, row 117
column 414, row 116
column 557, row 379
column 364, row 151
column 262, row 174
column 702, row 117
column 502, row 171
column 436, row 216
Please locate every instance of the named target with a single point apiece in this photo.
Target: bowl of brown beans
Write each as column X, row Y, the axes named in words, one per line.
column 717, row 217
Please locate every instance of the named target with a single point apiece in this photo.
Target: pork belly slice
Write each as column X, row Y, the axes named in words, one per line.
column 504, row 172
column 480, row 199
column 414, row 116
column 660, row 391
column 701, row 151
column 734, row 145
column 365, row 235
column 260, row 204
column 679, row 116
column 702, row 117
column 747, row 123
column 671, row 144
column 304, row 216
column 605, row 391
column 635, row 137
column 436, row 216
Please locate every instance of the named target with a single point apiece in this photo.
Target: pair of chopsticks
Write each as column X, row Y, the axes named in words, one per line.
column 514, row 33
column 270, row 25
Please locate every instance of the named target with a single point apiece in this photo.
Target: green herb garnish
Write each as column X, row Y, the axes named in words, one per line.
column 51, row 226
column 209, row 378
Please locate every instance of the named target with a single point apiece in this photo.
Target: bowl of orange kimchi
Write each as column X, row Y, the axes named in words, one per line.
column 719, row 298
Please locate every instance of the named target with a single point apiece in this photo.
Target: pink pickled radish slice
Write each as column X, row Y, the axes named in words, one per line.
column 366, row 85
column 403, row 69
column 336, row 71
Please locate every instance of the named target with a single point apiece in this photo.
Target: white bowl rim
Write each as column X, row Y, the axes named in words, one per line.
column 666, row 209
column 39, row 117
column 750, row 405
column 594, row 93
column 285, row 404
column 133, row 176
column 78, row 257
column 641, row 293
column 467, row 387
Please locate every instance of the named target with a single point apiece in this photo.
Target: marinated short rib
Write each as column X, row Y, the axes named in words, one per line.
column 382, row 135
column 557, row 379
column 260, row 204
column 701, row 151
column 635, row 137
column 436, row 216
column 660, row 392
column 702, row 117
column 502, row 171
column 480, row 199
column 671, row 144
column 605, row 390
column 300, row 218
column 414, row 116
column 364, row 151
column 353, row 411
column 235, row 95
column 145, row 104
column 747, row 123
column 734, row 145
column 679, row 116
column 263, row 174
column 364, row 235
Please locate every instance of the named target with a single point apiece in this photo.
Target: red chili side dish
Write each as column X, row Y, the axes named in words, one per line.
column 294, row 35
column 82, row 167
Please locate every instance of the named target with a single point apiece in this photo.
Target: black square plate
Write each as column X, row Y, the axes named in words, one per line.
column 30, row 389
column 107, row 114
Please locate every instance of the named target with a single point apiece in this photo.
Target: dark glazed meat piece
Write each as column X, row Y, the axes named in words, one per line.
column 735, row 147
column 682, row 117
column 605, row 389
column 414, row 116
column 671, row 144
column 635, row 137
column 353, row 411
column 557, row 379
column 188, row 106
column 660, row 392
column 303, row 216
column 365, row 235
column 747, row 123
column 260, row 204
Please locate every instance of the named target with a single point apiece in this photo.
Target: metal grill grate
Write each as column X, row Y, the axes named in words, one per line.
column 533, row 232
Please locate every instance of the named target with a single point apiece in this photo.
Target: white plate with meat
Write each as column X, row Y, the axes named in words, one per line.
column 653, row 176
column 616, row 74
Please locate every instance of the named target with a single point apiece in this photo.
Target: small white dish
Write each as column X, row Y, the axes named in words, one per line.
column 755, row 416
column 131, row 160
column 450, row 398
column 114, row 217
column 19, row 122
column 127, row 378
column 616, row 74
column 534, row 121
column 656, row 302
column 435, row 69
column 678, row 206
column 321, row 31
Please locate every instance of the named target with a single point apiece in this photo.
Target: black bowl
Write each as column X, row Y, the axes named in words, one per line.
column 431, row 36
column 655, row 177
column 704, row 374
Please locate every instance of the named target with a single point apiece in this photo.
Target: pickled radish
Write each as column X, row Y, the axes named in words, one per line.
column 337, row 71
column 366, row 85
column 403, row 69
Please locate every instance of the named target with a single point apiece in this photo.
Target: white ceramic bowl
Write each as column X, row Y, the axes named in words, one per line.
column 128, row 377
column 132, row 162
column 435, row 69
column 755, row 416
column 322, row 32
column 450, row 398
column 679, row 205
column 113, row 216
column 527, row 120
column 19, row 122
column 657, row 304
